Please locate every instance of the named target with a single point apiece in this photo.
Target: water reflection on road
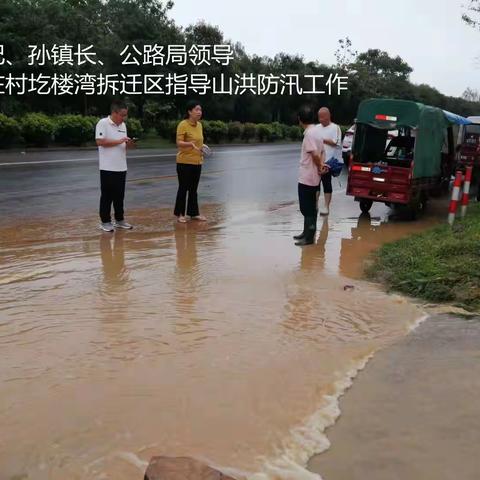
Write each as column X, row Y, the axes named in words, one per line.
column 214, row 340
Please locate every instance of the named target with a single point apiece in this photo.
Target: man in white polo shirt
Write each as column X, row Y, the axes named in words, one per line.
column 112, row 140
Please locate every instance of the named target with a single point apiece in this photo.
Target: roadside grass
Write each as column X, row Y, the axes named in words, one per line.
column 440, row 265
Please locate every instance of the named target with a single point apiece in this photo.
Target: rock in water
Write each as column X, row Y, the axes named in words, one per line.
column 181, row 468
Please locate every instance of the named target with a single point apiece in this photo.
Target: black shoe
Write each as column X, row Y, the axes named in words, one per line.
column 310, row 229
column 305, row 228
column 304, row 241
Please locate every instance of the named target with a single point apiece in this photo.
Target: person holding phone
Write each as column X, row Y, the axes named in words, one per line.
column 113, row 141
column 189, row 163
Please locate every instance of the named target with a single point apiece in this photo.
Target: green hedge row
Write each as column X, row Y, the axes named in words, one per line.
column 37, row 129
column 216, row 131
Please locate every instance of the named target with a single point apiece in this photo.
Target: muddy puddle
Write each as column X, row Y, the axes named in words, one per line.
column 221, row 341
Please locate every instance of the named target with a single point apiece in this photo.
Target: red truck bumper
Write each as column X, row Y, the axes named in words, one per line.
column 381, row 184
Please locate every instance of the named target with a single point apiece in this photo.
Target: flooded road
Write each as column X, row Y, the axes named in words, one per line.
column 221, row 341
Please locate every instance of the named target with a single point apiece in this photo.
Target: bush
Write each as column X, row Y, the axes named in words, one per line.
column 249, row 131
column 134, row 128
column 295, row 132
column 37, row 129
column 264, row 132
column 277, row 131
column 235, row 130
column 167, row 129
column 214, row 131
column 206, row 130
column 74, row 129
column 285, row 131
column 10, row 131
column 93, row 120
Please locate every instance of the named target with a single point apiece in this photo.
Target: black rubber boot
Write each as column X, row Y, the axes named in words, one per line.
column 302, row 235
column 309, row 238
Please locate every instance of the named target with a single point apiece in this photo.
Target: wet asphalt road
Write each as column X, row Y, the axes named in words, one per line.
column 67, row 182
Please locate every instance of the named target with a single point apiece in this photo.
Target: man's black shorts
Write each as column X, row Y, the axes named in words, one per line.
column 326, row 182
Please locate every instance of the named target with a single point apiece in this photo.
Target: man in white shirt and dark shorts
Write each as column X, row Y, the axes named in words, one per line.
column 332, row 139
column 112, row 140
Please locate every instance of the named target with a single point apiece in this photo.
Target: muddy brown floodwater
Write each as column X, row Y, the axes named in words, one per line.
column 220, row 341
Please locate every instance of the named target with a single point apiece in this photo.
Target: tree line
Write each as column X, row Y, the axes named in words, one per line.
column 110, row 25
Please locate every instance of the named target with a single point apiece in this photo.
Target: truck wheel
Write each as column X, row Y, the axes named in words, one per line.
column 417, row 205
column 424, row 202
column 366, row 205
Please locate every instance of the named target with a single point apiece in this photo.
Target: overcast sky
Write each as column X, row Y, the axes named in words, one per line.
column 428, row 34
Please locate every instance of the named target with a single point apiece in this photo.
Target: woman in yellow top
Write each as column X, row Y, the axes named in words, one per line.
column 189, row 163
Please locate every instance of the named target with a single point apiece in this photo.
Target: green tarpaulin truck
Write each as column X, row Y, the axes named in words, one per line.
column 406, row 168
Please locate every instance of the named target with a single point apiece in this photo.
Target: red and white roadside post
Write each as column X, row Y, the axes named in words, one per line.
column 466, row 190
column 455, row 197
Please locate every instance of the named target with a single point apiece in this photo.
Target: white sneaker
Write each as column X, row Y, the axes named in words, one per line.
column 106, row 227
column 324, row 211
column 123, row 224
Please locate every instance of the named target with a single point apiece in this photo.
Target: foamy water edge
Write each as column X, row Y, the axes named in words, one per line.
column 308, row 440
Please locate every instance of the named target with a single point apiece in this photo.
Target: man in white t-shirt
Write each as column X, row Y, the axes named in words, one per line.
column 332, row 139
column 312, row 158
column 112, row 140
